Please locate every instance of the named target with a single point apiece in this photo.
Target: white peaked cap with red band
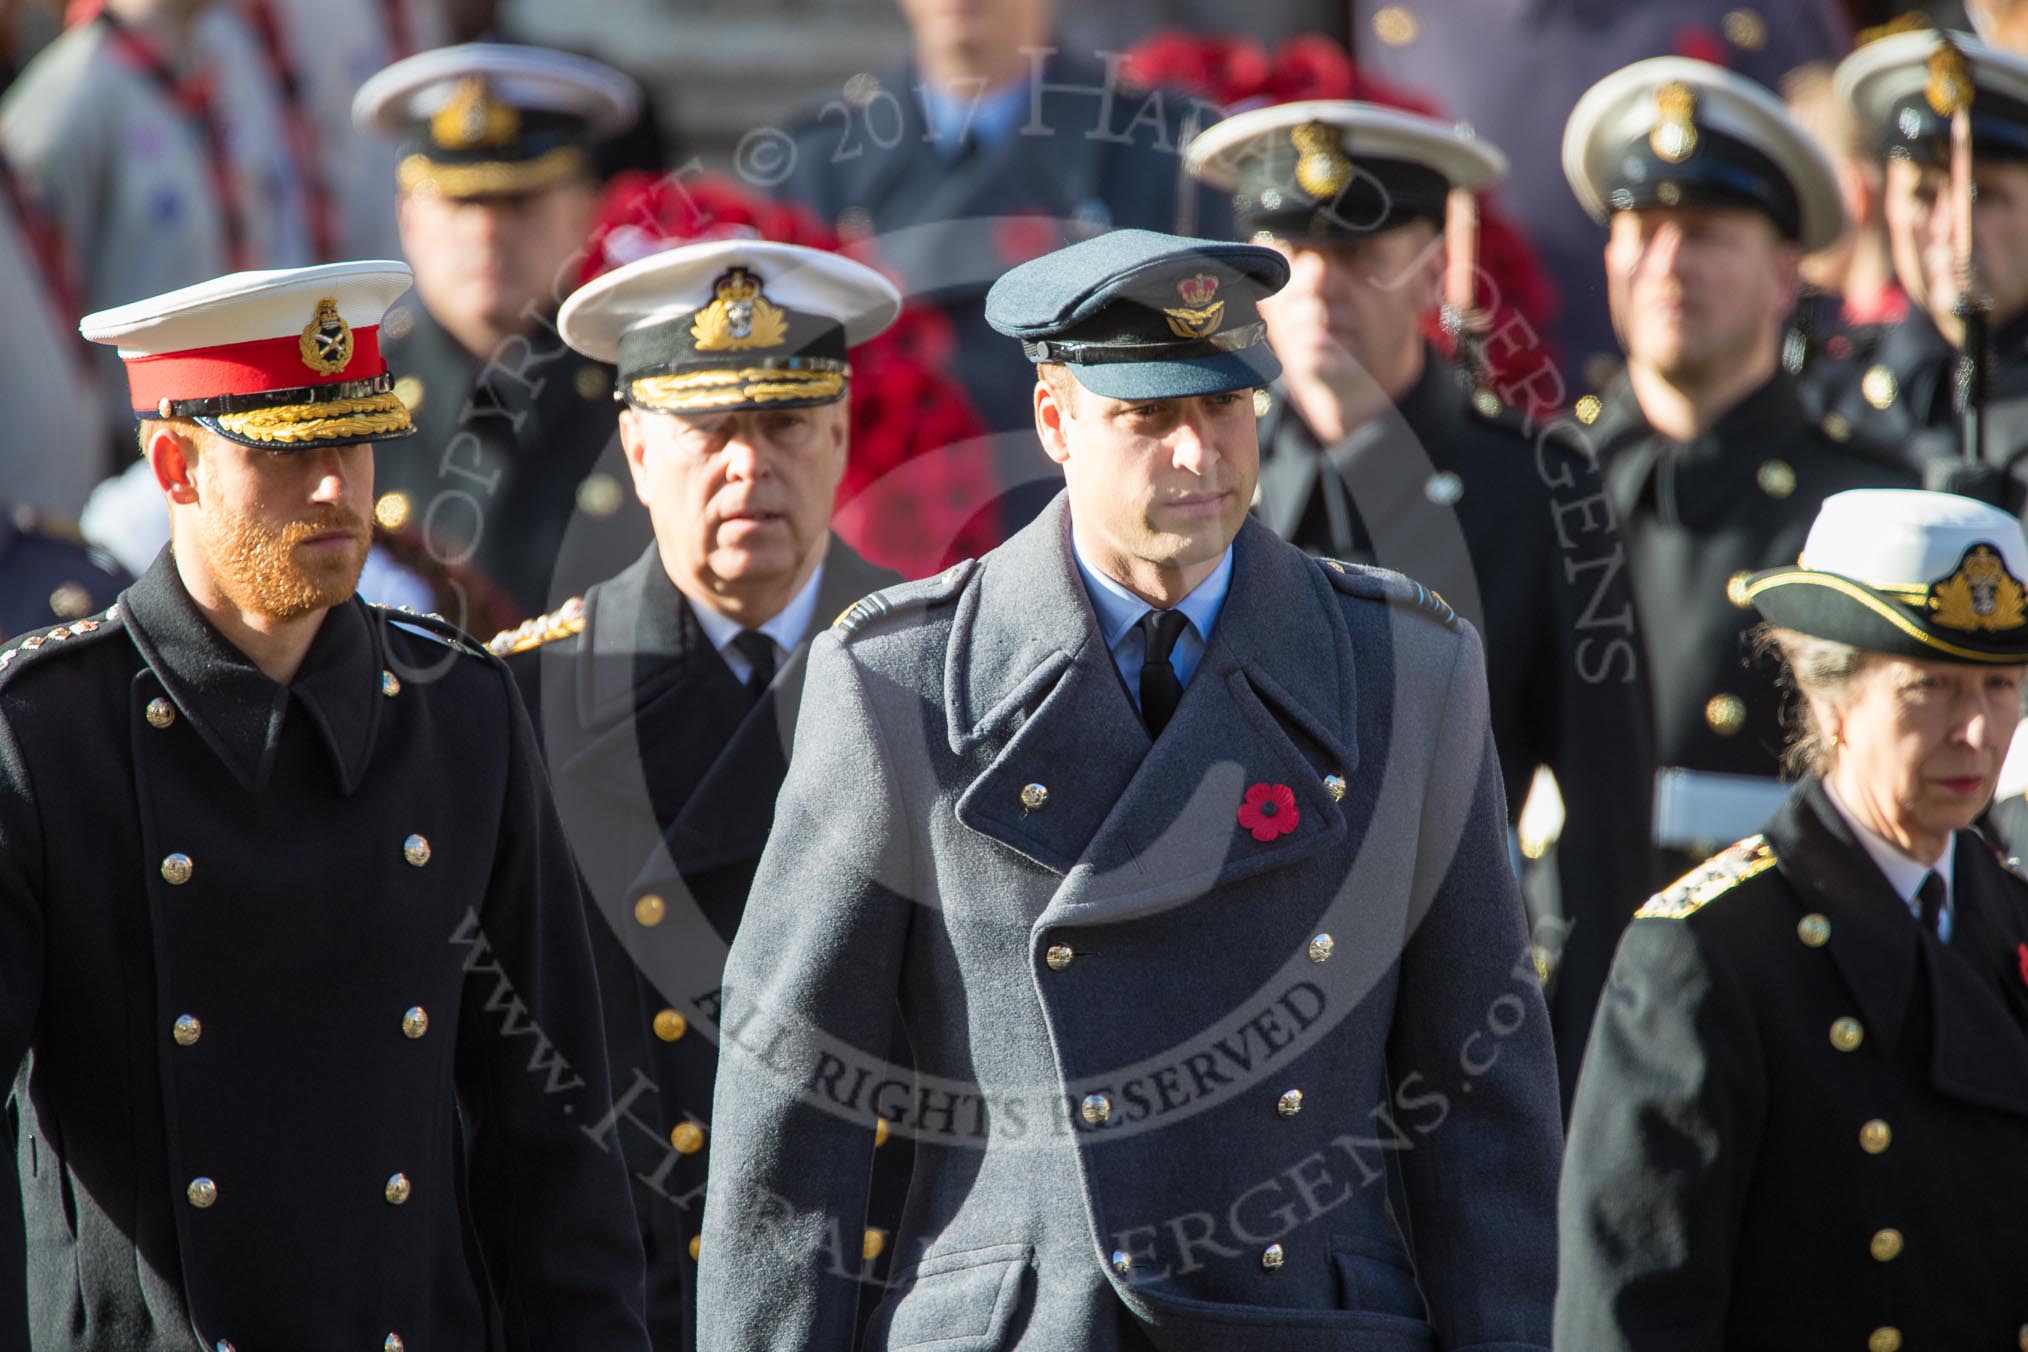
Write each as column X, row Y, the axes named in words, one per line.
column 281, row 360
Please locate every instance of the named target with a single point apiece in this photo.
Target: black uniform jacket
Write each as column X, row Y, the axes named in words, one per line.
column 1803, row 1120
column 666, row 771
column 293, row 970
column 46, row 578
column 1514, row 530
column 515, row 467
column 1695, row 516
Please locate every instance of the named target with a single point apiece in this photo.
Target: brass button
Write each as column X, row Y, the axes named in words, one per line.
column 1097, row 1109
column 393, row 1343
column 1745, row 29
column 1033, row 796
column 1735, row 589
column 1320, row 948
column 161, row 713
column 1814, row 930
column 202, row 1192
column 410, row 390
column 1846, row 1034
column 176, row 869
column 1777, row 478
column 1059, row 956
column 1487, row 402
column 1289, row 1104
column 416, row 850
column 1837, row 427
column 70, row 601
column 390, row 684
column 1444, row 488
column 1123, row 1262
column 1886, row 1245
column 392, row 511
column 397, row 1189
column 1263, row 404
column 670, row 1025
column 1879, row 387
column 696, row 1242
column 1886, row 1339
column 687, row 1137
column 1395, row 26
column 599, row 495
column 592, row 382
column 1668, row 193
column 1273, row 1257
column 649, row 909
column 1875, row 1136
column 881, row 1131
column 1335, row 786
column 1587, row 409
column 1726, row 714
column 874, row 1244
column 187, row 1030
column 415, row 1021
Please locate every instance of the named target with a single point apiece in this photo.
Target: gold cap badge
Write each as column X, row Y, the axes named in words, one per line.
column 1200, row 314
column 1674, row 137
column 1322, row 169
column 326, row 343
column 741, row 317
column 472, row 118
column 1949, row 87
column 1981, row 594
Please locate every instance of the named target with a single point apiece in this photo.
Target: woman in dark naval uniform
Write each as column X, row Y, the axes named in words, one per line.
column 1802, row 1120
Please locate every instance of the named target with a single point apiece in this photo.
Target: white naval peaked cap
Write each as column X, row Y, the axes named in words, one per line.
column 537, row 79
column 1891, row 537
column 1219, row 154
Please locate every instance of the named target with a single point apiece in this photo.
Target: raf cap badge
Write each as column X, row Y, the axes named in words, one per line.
column 1200, row 315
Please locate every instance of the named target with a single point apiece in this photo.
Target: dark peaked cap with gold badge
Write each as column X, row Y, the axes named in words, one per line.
column 1142, row 315
column 729, row 324
column 1905, row 87
column 1673, row 131
column 1336, row 168
column 287, row 360
column 1909, row 573
column 490, row 119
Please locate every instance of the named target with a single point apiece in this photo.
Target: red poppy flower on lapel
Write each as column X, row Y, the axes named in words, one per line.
column 1269, row 810
column 2023, row 953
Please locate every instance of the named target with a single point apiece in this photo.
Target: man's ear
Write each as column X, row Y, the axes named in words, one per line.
column 173, row 458
column 1050, row 416
column 634, row 444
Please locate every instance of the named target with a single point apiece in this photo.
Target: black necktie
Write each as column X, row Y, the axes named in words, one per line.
column 1931, row 896
column 759, row 651
column 1160, row 690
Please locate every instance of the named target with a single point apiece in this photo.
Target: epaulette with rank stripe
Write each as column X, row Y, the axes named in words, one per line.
column 433, row 627
column 565, row 620
column 1378, row 584
column 907, row 596
column 21, row 650
column 1710, row 880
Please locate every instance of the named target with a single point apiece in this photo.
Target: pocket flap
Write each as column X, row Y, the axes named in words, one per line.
column 956, row 1302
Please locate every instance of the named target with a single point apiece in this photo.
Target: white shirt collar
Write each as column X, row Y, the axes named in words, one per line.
column 787, row 629
column 1903, row 874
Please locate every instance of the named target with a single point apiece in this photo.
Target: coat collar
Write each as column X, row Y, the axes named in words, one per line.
column 1707, row 476
column 236, row 709
column 1134, row 825
column 1979, row 1051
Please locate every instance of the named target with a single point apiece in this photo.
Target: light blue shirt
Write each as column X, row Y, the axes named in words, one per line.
column 989, row 117
column 1903, row 874
column 787, row 629
column 1119, row 615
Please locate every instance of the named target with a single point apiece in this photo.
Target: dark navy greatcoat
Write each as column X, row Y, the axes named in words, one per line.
column 665, row 773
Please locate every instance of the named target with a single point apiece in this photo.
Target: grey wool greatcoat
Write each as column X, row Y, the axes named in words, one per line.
column 1175, row 1087
column 300, row 975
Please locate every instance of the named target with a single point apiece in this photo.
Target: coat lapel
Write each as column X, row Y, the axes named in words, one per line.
column 727, row 817
column 1979, row 995
column 1131, row 825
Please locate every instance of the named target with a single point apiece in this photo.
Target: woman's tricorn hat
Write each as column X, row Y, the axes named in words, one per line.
column 1914, row 574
